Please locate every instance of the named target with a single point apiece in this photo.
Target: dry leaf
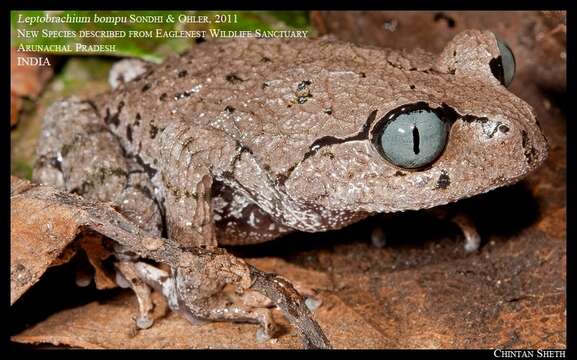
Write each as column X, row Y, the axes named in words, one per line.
column 39, row 233
column 25, row 81
column 96, row 253
column 511, row 295
column 109, row 325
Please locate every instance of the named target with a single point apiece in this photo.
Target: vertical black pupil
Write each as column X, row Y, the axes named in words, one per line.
column 416, row 140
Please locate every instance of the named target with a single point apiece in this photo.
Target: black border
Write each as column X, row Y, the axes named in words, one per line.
column 9, row 348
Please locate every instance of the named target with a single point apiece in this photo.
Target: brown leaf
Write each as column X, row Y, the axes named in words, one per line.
column 39, row 233
column 45, row 221
column 25, row 81
column 511, row 295
column 110, row 325
column 93, row 247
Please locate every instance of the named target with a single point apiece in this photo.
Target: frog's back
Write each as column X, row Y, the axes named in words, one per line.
column 273, row 96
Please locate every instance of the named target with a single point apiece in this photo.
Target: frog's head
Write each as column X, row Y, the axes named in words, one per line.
column 448, row 132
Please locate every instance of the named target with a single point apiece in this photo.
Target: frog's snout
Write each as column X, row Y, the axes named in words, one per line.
column 534, row 144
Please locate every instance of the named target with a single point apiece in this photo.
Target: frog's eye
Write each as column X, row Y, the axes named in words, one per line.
column 411, row 136
column 503, row 67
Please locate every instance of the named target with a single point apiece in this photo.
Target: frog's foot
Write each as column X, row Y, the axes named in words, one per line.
column 125, row 70
column 200, row 286
column 467, row 226
column 160, row 280
column 247, row 306
column 128, row 275
column 256, row 299
column 250, row 306
column 233, row 307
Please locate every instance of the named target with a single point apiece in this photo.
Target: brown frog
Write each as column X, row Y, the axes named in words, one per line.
column 242, row 141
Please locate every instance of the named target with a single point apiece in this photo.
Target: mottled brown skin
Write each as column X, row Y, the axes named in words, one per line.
column 244, row 111
column 219, row 142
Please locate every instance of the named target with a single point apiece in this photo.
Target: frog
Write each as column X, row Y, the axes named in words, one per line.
column 243, row 141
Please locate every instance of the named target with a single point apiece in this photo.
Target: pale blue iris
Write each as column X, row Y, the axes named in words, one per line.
column 508, row 61
column 414, row 140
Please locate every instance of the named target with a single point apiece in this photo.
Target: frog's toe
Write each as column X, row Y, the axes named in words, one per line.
column 467, row 226
column 121, row 280
column 378, row 237
column 267, row 329
column 143, row 322
column 262, row 336
column 313, row 303
column 84, row 274
column 141, row 290
column 472, row 242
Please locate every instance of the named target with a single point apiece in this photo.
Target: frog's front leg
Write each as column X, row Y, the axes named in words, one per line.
column 192, row 157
